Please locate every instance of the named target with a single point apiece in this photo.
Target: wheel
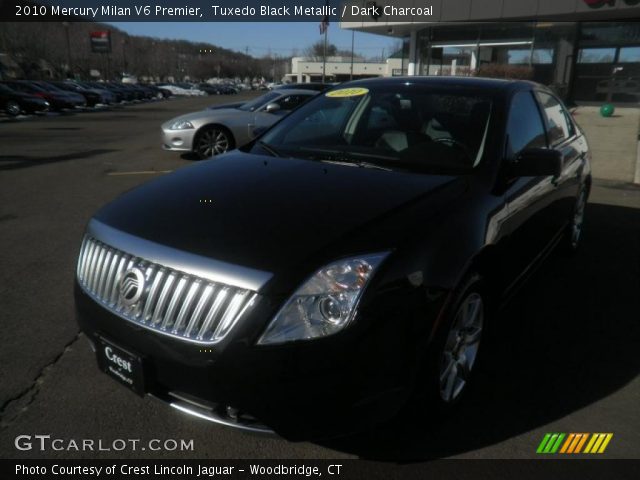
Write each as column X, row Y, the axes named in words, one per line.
column 13, row 108
column 459, row 353
column 452, row 357
column 573, row 235
column 212, row 141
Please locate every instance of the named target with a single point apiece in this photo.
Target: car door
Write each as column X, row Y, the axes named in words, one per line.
column 531, row 219
column 563, row 136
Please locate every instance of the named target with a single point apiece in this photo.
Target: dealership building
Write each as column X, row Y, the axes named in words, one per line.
column 588, row 50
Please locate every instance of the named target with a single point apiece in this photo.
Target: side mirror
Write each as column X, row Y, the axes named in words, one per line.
column 534, row 162
column 272, row 108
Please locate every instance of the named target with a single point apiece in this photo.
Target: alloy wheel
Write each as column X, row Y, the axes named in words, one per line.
column 212, row 142
column 461, row 347
column 13, row 108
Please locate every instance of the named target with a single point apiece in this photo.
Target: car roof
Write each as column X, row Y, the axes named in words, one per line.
column 295, row 91
column 490, row 84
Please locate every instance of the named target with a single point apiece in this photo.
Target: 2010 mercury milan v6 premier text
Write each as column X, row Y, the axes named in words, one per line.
column 313, row 281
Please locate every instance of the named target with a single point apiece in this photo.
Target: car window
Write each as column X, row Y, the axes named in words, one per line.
column 411, row 128
column 256, row 103
column 559, row 125
column 289, row 102
column 524, row 126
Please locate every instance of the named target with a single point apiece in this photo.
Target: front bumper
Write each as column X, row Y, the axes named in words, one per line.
column 303, row 390
column 178, row 140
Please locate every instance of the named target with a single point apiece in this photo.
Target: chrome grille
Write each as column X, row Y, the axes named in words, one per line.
column 172, row 303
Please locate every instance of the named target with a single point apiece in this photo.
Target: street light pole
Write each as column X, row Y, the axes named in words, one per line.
column 66, row 31
column 353, row 32
column 124, row 55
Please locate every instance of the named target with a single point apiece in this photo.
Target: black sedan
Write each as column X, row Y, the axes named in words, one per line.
column 59, row 100
column 14, row 103
column 349, row 259
column 92, row 96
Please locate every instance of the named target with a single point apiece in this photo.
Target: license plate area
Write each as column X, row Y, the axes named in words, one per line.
column 121, row 364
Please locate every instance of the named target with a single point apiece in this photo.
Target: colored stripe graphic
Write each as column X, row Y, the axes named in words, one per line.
column 543, row 443
column 573, row 443
column 598, row 443
column 550, row 443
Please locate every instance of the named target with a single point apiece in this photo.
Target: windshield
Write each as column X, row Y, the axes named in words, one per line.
column 259, row 102
column 403, row 126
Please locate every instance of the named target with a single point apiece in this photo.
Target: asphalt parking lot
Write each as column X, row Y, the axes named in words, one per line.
column 564, row 354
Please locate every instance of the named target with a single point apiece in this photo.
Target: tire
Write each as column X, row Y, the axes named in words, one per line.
column 573, row 235
column 212, row 140
column 13, row 108
column 453, row 357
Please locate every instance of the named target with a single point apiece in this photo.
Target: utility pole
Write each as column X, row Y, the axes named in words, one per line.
column 353, row 33
column 124, row 55
column 66, row 31
column 324, row 55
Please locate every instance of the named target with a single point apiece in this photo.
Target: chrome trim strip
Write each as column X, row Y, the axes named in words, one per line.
column 199, row 266
column 211, row 417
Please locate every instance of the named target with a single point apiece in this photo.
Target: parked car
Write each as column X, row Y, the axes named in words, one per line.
column 214, row 131
column 209, row 89
column 92, row 97
column 184, row 90
column 226, row 89
column 132, row 93
column 74, row 98
column 58, row 100
column 14, row 103
column 159, row 92
column 314, row 281
column 118, row 94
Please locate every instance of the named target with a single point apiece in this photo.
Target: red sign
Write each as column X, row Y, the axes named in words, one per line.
column 100, row 41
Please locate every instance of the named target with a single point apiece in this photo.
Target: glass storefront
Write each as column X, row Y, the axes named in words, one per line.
column 589, row 61
column 528, row 50
column 608, row 62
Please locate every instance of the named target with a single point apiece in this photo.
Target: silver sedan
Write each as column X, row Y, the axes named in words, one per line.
column 216, row 130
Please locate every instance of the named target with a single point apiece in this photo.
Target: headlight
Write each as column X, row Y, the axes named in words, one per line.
column 180, row 125
column 325, row 303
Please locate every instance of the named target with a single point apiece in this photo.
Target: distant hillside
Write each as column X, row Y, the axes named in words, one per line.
column 40, row 51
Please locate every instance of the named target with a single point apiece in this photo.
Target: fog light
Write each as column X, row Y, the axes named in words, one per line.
column 232, row 412
column 177, row 141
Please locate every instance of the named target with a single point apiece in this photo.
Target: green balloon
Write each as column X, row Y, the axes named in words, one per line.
column 607, row 110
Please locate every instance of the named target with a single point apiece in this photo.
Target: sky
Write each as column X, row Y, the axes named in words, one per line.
column 264, row 38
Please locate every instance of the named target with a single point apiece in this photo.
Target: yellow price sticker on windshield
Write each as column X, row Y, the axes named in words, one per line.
column 347, row 92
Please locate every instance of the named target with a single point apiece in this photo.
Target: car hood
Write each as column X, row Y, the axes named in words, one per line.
column 274, row 214
column 226, row 106
column 209, row 115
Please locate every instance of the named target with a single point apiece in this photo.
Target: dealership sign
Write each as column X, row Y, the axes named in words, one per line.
column 611, row 3
column 100, row 41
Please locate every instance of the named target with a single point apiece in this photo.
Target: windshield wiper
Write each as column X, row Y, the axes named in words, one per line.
column 272, row 151
column 343, row 157
column 356, row 163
